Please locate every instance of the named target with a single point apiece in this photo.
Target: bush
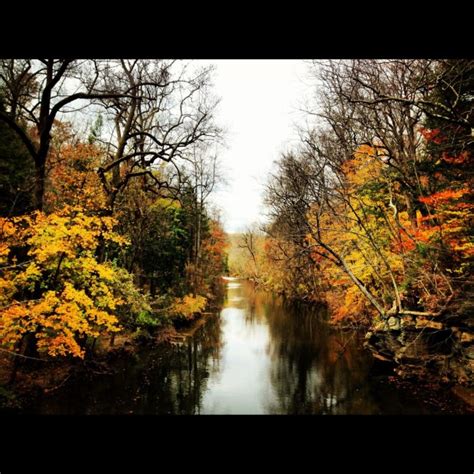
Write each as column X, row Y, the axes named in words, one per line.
column 188, row 306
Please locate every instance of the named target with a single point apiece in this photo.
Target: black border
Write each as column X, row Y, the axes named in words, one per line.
column 350, row 443
column 322, row 444
column 329, row 30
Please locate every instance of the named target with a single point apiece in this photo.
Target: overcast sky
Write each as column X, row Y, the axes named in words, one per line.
column 259, row 106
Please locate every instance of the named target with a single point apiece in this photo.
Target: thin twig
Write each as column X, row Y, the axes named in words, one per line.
column 21, row 355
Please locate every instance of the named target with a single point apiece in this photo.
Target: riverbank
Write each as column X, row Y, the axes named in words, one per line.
column 37, row 378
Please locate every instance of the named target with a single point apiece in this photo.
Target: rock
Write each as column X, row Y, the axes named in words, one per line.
column 427, row 323
column 467, row 337
column 393, row 323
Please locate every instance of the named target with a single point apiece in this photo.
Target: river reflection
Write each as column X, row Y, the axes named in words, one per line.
column 259, row 355
column 278, row 358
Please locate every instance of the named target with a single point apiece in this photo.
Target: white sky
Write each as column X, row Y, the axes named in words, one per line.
column 259, row 107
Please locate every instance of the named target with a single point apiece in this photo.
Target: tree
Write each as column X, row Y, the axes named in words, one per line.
column 154, row 115
column 159, row 229
column 201, row 175
column 16, row 173
column 351, row 193
column 53, row 286
column 35, row 93
column 71, row 174
column 171, row 114
column 248, row 242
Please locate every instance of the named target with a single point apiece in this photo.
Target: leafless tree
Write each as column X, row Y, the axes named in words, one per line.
column 171, row 113
column 155, row 112
column 249, row 243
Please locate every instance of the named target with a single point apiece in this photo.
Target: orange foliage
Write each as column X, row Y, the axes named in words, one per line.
column 443, row 197
column 432, row 135
column 73, row 178
column 456, row 160
column 214, row 248
column 449, row 223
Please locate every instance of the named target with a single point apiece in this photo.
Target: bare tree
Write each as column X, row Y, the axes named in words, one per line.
column 155, row 115
column 172, row 112
column 36, row 92
column 249, row 244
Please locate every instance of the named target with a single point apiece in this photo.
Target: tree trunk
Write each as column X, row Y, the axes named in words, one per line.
column 40, row 174
column 356, row 281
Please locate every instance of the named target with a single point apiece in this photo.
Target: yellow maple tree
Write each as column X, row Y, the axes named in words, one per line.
column 53, row 284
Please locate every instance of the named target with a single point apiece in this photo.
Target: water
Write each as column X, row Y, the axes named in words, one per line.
column 258, row 356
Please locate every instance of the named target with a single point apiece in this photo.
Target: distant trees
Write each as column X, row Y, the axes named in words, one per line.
column 248, row 242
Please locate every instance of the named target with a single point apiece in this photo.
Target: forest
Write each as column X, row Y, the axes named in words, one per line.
column 110, row 238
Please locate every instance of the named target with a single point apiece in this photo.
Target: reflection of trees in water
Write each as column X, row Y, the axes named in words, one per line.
column 255, row 303
column 158, row 381
column 314, row 369
column 184, row 381
column 181, row 378
column 235, row 296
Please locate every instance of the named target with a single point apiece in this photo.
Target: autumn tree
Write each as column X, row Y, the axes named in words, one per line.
column 154, row 113
column 53, row 286
column 36, row 92
column 355, row 187
column 71, row 175
column 213, row 256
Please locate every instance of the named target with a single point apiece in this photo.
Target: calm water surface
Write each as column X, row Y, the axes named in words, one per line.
column 258, row 356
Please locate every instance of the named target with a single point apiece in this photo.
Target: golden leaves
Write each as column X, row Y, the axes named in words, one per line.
column 188, row 305
column 66, row 293
column 72, row 177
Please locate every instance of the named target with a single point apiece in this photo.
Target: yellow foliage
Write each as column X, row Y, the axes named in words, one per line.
column 188, row 305
column 60, row 292
column 361, row 228
column 363, row 167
